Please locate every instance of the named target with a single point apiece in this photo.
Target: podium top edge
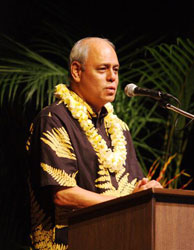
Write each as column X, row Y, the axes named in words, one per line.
column 173, row 192
column 156, row 194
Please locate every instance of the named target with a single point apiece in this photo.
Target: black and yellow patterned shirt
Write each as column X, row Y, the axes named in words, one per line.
column 61, row 155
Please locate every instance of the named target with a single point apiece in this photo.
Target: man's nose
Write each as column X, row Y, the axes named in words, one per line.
column 111, row 75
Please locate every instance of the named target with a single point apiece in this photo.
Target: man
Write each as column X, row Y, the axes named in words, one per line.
column 81, row 153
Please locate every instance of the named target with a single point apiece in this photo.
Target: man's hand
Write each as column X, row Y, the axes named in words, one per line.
column 145, row 184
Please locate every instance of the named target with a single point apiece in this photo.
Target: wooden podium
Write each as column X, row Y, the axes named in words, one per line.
column 154, row 219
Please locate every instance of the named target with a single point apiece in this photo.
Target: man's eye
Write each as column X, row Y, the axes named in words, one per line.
column 102, row 69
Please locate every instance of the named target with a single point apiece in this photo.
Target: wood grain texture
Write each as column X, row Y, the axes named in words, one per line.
column 174, row 226
column 130, row 228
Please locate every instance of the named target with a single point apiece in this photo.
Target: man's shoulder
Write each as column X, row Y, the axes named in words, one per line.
column 57, row 111
column 57, row 108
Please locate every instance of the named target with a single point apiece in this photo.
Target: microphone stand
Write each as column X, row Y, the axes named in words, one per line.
column 179, row 111
column 169, row 106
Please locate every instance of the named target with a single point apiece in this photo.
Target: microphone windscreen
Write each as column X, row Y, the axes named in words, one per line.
column 129, row 89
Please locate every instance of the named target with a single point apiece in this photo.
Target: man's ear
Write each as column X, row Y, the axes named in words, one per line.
column 76, row 70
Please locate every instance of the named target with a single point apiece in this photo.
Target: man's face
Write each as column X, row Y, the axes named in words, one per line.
column 99, row 79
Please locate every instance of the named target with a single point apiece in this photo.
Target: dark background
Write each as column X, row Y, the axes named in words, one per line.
column 106, row 18
column 23, row 21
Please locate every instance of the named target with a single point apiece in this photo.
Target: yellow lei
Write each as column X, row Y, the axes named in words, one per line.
column 108, row 159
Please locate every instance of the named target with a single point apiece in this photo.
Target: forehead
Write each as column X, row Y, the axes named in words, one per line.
column 101, row 52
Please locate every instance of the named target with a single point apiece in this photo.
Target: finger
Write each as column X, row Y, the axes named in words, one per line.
column 153, row 184
column 144, row 181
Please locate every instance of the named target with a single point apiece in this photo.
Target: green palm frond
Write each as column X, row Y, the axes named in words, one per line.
column 29, row 74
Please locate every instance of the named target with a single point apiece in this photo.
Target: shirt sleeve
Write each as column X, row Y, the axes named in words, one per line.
column 53, row 161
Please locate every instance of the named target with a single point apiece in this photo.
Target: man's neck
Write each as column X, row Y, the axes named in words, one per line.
column 96, row 110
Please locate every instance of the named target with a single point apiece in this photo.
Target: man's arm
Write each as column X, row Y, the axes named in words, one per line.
column 76, row 197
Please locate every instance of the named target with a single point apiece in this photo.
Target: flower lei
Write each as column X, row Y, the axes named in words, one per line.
column 108, row 159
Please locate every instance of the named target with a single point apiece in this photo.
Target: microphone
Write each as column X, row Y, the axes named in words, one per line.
column 133, row 90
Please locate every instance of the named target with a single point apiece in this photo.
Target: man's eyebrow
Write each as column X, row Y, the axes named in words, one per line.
column 108, row 64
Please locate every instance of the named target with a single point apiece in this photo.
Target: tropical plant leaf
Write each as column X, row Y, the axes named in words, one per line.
column 168, row 68
column 29, row 74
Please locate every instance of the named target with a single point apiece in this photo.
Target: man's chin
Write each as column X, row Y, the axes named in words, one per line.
column 111, row 98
